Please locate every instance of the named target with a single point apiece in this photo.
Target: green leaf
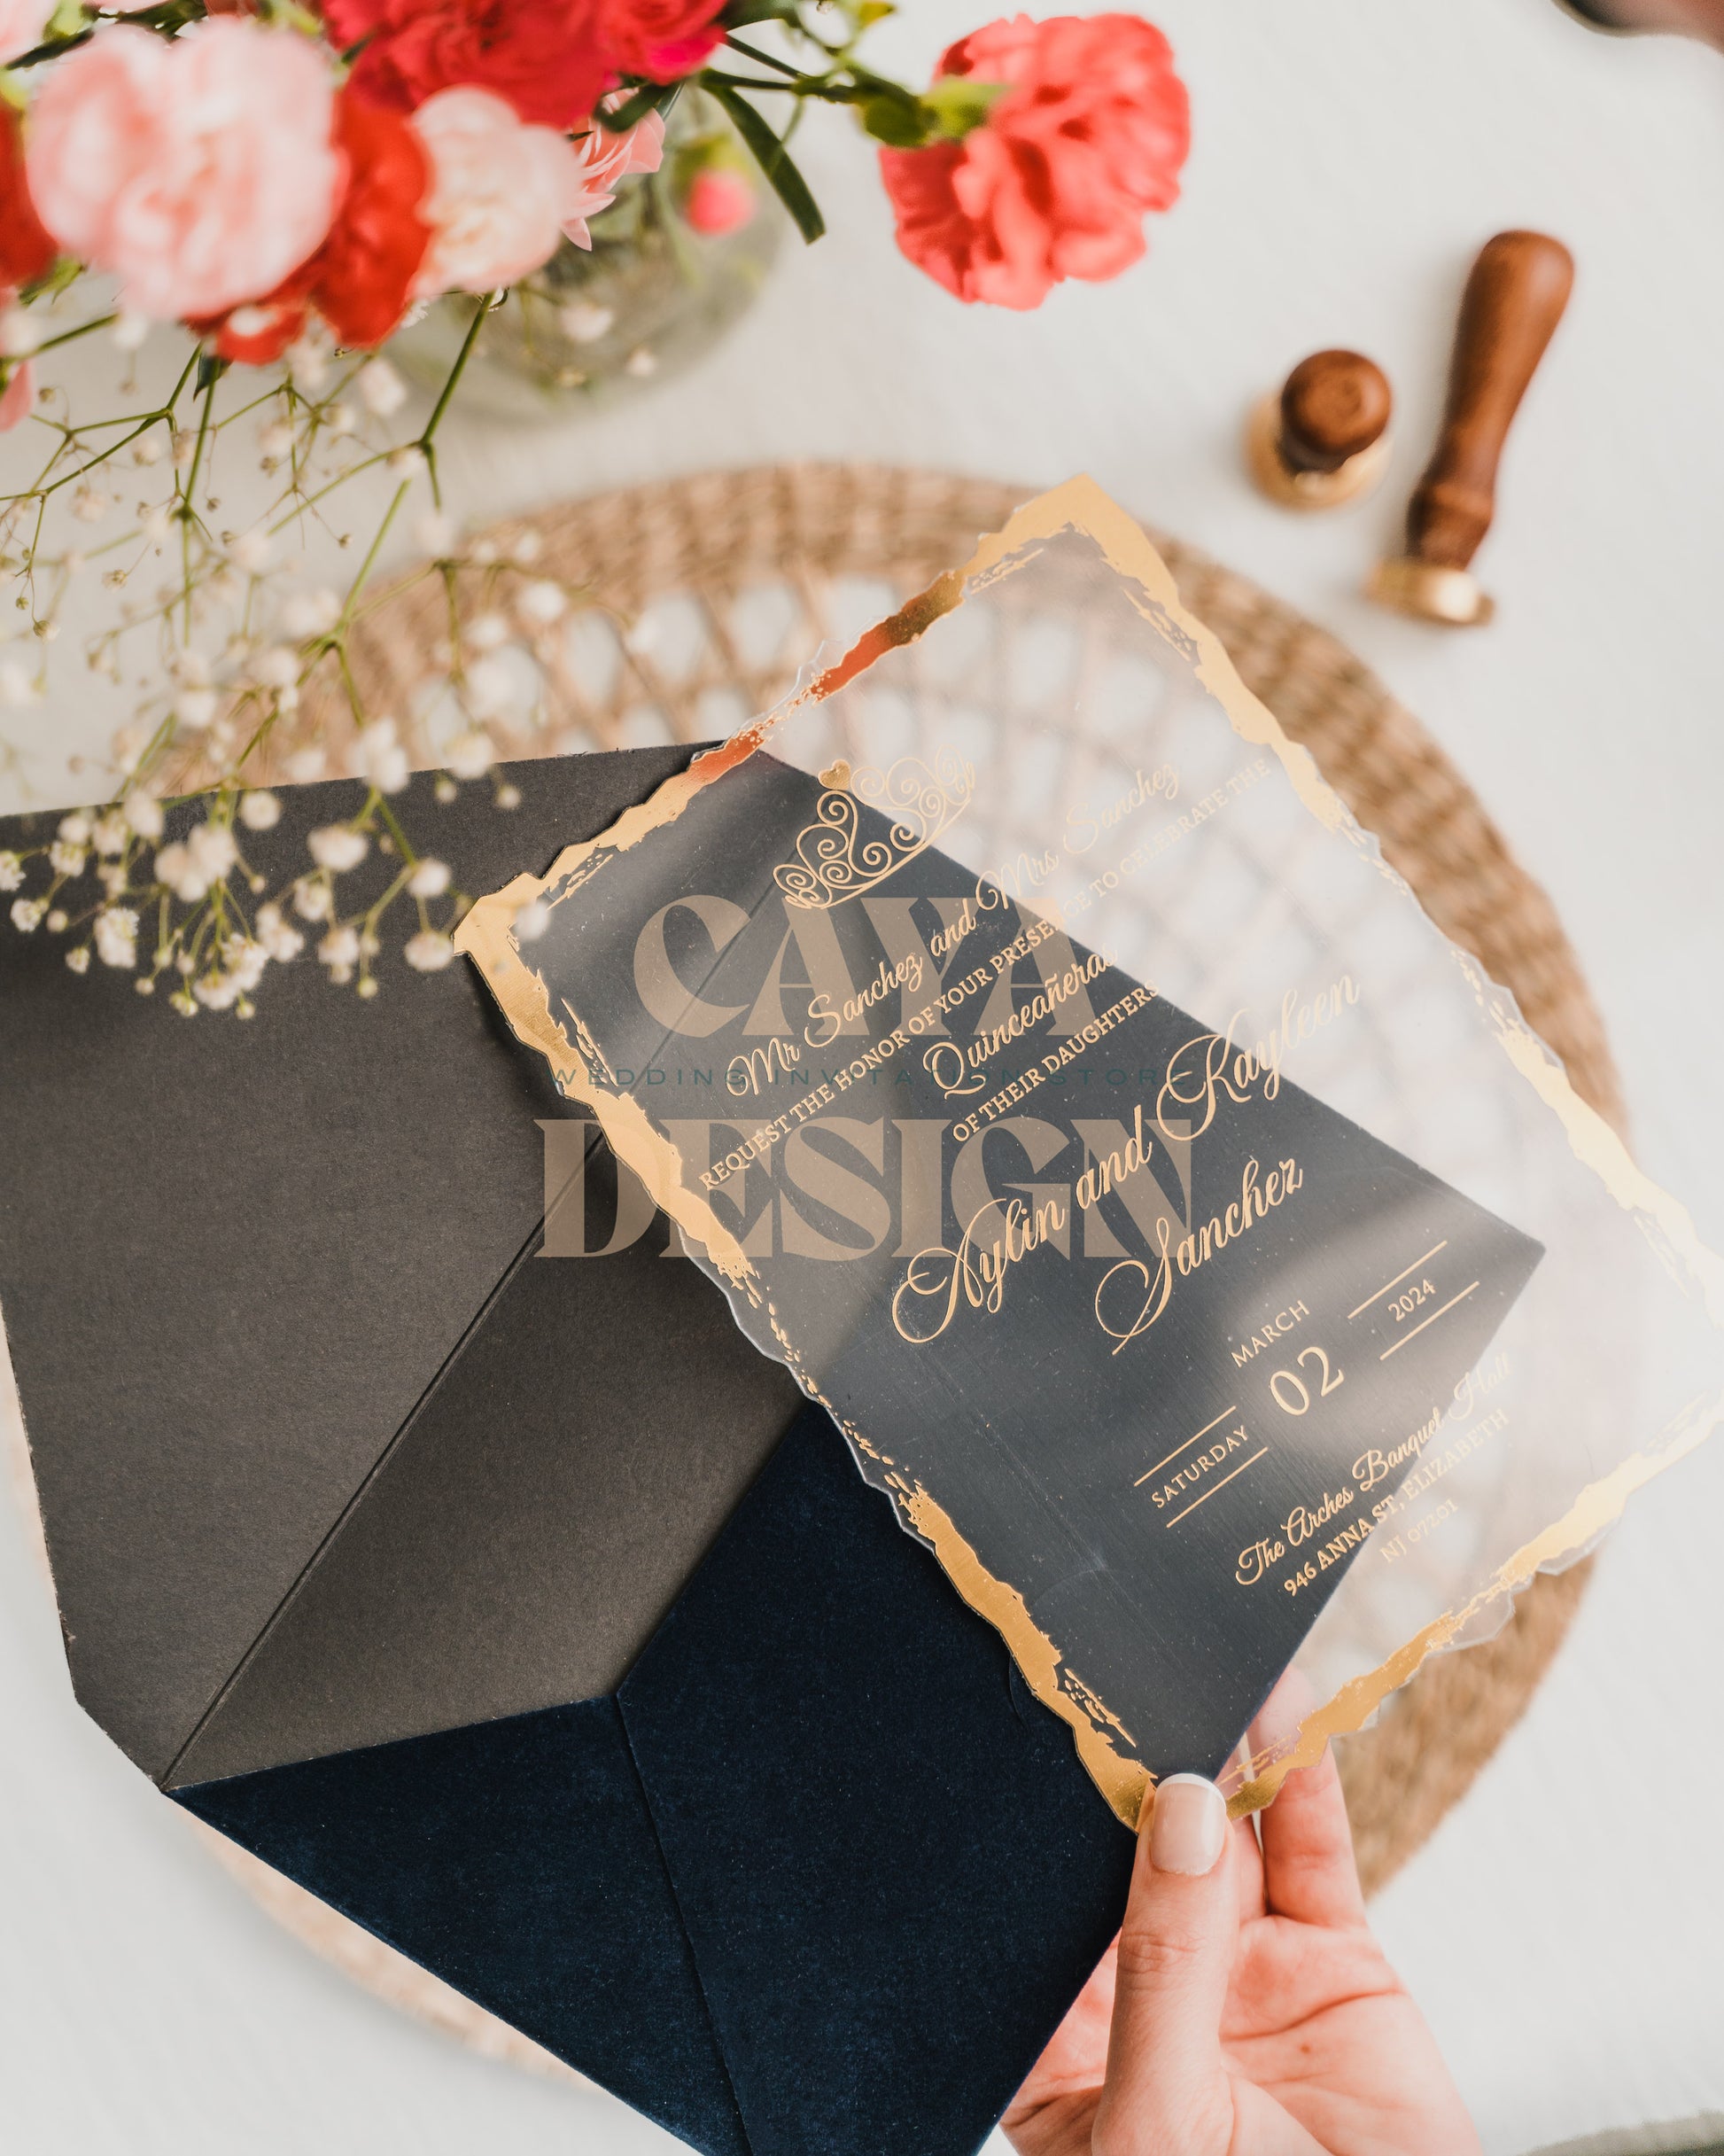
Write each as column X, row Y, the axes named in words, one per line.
column 59, row 277
column 649, row 98
column 774, row 159
column 741, row 13
column 903, row 125
column 947, row 111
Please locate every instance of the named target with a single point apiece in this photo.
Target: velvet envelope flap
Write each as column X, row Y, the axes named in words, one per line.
column 518, row 1608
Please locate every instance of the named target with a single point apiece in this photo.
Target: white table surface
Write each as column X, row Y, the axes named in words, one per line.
column 1560, row 1931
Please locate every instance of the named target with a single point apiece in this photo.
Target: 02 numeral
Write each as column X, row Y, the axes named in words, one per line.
column 1293, row 1395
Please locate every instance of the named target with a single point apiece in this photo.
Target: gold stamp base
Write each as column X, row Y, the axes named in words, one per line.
column 1430, row 592
column 1307, row 490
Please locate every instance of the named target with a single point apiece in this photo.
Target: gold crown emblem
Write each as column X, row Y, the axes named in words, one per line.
column 835, row 861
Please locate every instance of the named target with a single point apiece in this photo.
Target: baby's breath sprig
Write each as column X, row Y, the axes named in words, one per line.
column 247, row 676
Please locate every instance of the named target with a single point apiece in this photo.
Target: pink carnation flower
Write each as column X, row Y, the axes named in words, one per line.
column 606, row 161
column 199, row 172
column 22, row 23
column 1089, row 135
column 503, row 193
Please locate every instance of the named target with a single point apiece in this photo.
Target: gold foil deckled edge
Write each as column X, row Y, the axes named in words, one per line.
column 1125, row 1783
column 1081, row 507
column 1598, row 1507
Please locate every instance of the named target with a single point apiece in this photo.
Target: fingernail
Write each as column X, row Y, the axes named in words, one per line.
column 1188, row 1828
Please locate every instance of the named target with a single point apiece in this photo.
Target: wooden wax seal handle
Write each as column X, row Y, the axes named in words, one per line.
column 1335, row 405
column 1325, row 439
column 1513, row 301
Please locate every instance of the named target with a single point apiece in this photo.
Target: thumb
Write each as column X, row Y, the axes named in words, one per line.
column 1166, row 2088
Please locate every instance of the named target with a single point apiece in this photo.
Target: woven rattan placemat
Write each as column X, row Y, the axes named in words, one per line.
column 807, row 536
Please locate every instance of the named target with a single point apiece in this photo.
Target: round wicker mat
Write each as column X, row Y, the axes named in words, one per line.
column 811, row 532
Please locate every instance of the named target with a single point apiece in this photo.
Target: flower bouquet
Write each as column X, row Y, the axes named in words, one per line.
column 248, row 198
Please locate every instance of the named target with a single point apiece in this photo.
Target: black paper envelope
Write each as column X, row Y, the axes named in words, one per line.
column 518, row 1607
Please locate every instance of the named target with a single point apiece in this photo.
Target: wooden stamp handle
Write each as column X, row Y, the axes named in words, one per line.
column 1513, row 301
column 1335, row 405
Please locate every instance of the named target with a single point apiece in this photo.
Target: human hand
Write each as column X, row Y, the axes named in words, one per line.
column 1245, row 2008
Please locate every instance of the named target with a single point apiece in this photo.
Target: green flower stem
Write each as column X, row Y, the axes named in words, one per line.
column 832, row 93
column 339, row 645
column 302, row 503
column 258, row 735
column 425, row 445
column 763, row 59
column 140, row 426
column 50, row 49
column 487, row 302
column 187, row 513
column 410, row 856
column 68, row 337
column 335, row 640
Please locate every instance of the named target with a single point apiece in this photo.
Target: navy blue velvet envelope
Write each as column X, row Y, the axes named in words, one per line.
column 514, row 1604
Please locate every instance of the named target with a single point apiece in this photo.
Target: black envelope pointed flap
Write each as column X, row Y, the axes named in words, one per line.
column 595, row 1429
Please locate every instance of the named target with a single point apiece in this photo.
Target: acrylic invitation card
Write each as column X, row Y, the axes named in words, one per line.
column 1194, row 1246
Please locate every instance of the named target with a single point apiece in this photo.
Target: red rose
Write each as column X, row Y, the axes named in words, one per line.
column 543, row 56
column 663, row 40
column 1090, row 135
column 27, row 250
column 359, row 280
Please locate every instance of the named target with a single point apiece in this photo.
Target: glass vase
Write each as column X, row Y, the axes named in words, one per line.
column 679, row 255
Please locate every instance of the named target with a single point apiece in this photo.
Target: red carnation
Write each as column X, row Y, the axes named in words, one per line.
column 543, row 56
column 367, row 267
column 663, row 40
column 1091, row 134
column 361, row 278
column 27, row 250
